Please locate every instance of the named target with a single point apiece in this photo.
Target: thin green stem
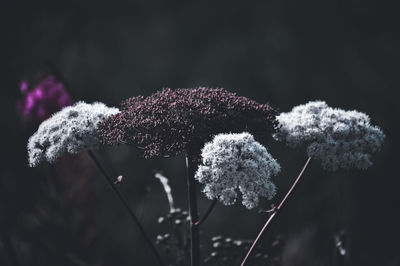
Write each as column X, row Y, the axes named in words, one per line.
column 127, row 207
column 194, row 216
column 207, row 213
column 275, row 211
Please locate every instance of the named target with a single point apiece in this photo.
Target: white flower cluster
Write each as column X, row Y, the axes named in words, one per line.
column 72, row 130
column 339, row 138
column 237, row 161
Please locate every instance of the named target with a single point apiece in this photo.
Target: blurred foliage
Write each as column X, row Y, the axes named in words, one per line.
column 227, row 251
column 176, row 239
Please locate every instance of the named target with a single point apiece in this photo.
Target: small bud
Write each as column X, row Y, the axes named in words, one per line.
column 216, row 238
column 118, row 181
column 217, row 244
column 237, row 242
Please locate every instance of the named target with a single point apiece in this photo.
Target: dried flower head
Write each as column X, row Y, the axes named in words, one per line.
column 171, row 122
column 339, row 138
column 237, row 161
column 71, row 130
column 45, row 98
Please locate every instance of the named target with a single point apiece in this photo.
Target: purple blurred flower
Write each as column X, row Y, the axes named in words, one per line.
column 45, row 98
column 172, row 122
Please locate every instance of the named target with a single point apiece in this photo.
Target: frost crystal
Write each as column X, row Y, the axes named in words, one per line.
column 237, row 161
column 339, row 138
column 72, row 130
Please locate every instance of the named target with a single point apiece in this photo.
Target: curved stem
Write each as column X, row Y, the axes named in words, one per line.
column 275, row 211
column 207, row 213
column 194, row 216
column 127, row 207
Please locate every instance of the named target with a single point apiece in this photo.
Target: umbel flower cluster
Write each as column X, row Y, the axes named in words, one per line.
column 71, row 130
column 232, row 162
column 45, row 98
column 172, row 122
column 339, row 138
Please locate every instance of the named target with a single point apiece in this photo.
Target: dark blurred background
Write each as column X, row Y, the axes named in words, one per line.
column 282, row 52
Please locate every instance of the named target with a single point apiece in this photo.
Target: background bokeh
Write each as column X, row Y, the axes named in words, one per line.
column 281, row 52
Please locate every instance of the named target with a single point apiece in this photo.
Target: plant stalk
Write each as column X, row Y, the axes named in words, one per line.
column 207, row 213
column 127, row 207
column 194, row 216
column 275, row 211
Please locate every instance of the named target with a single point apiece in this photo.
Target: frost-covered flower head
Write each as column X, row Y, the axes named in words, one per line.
column 237, row 161
column 339, row 138
column 71, row 130
column 43, row 99
column 171, row 122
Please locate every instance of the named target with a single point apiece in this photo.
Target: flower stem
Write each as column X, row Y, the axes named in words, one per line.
column 194, row 216
column 127, row 207
column 275, row 211
column 207, row 213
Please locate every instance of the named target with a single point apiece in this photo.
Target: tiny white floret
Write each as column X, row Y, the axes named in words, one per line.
column 232, row 162
column 73, row 129
column 338, row 138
